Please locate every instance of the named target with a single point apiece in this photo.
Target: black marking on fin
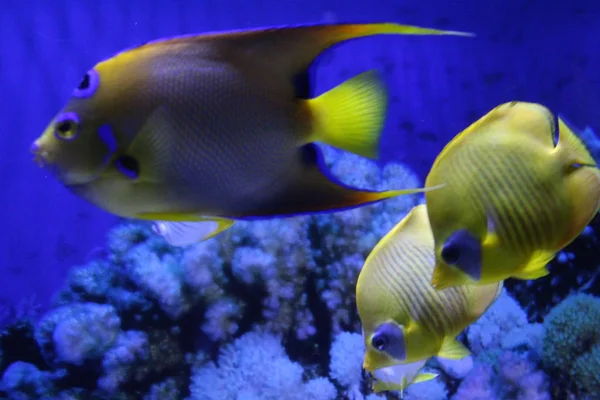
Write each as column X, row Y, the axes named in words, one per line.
column 576, row 131
column 310, row 154
column 463, row 250
column 128, row 166
column 575, row 166
column 302, row 85
column 554, row 127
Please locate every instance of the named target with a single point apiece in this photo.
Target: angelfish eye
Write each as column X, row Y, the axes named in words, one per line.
column 88, row 85
column 379, row 342
column 66, row 127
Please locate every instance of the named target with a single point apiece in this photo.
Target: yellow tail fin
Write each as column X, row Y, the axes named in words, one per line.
column 351, row 115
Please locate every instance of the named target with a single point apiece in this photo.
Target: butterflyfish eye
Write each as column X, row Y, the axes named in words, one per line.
column 66, row 127
column 451, row 254
column 128, row 166
column 380, row 342
column 88, row 85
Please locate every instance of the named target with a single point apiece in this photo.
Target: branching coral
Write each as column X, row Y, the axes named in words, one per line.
column 507, row 353
column 496, row 324
column 266, row 310
column 514, row 376
column 256, row 366
column 126, row 322
column 572, row 343
column 77, row 332
column 23, row 381
column 347, row 351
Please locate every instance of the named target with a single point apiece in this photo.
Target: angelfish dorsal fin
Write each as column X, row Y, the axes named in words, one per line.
column 291, row 49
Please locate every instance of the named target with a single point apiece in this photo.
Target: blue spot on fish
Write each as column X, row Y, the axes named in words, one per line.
column 128, row 166
column 108, row 138
column 88, row 85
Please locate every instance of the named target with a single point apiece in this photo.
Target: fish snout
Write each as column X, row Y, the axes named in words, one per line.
column 41, row 155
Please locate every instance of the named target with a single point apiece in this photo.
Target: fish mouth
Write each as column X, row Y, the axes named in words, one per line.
column 74, row 180
column 40, row 159
column 45, row 160
column 40, row 156
column 67, row 179
column 392, row 376
column 397, row 376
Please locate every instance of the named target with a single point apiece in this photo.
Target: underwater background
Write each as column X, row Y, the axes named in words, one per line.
column 93, row 306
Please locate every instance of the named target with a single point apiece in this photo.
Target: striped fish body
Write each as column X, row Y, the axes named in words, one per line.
column 394, row 286
column 513, row 192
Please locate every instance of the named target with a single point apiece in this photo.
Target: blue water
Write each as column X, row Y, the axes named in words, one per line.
column 535, row 51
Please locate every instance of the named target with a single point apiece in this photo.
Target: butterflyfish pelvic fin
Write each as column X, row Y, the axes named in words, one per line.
column 445, row 276
column 424, row 377
column 453, row 349
column 536, row 267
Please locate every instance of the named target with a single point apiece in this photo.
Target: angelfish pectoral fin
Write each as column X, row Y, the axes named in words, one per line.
column 184, row 233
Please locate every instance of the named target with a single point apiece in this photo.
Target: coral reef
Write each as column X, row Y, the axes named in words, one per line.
column 346, row 354
column 572, row 345
column 255, row 366
column 266, row 310
column 506, row 350
column 146, row 320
